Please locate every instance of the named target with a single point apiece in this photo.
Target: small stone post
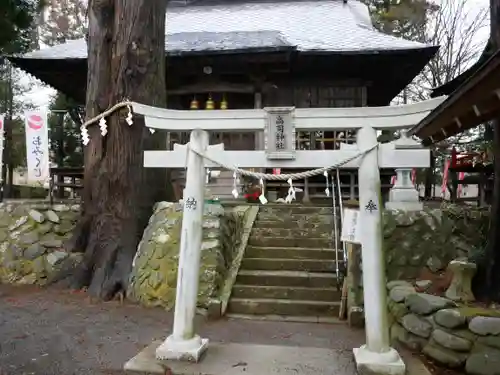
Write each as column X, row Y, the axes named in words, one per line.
column 376, row 356
column 460, row 288
column 183, row 343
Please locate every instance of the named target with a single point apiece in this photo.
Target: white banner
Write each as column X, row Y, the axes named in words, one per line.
column 37, row 146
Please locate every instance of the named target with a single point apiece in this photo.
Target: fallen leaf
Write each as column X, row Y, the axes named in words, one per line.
column 240, row 364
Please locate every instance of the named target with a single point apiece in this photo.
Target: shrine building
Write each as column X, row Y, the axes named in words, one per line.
column 244, row 54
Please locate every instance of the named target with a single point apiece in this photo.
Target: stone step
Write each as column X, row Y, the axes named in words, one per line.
column 291, row 253
column 284, row 292
column 311, row 242
column 265, row 306
column 287, row 318
column 282, row 209
column 293, row 232
column 293, row 224
column 287, row 278
column 291, row 218
column 277, row 264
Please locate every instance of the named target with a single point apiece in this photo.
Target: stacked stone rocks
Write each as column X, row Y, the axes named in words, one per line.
column 452, row 335
column 419, row 245
column 31, row 241
column 427, row 239
column 154, row 273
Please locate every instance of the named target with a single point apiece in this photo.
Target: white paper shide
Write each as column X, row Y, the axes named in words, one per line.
column 37, row 146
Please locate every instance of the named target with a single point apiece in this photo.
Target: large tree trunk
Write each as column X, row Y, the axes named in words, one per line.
column 493, row 248
column 489, row 272
column 126, row 60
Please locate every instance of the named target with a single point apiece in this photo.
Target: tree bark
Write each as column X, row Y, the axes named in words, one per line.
column 493, row 247
column 126, row 61
column 7, row 174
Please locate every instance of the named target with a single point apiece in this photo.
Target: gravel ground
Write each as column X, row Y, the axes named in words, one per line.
column 52, row 331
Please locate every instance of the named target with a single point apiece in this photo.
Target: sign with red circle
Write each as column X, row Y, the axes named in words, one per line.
column 1, row 122
column 35, row 122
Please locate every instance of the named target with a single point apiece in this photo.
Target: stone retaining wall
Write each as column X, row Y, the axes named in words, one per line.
column 430, row 238
column 154, row 273
column 419, row 246
column 453, row 335
column 31, row 241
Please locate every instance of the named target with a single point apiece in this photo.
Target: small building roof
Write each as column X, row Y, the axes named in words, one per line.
column 308, row 26
column 475, row 101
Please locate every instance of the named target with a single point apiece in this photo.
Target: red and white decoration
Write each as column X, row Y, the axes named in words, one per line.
column 413, row 177
column 461, row 191
column 37, row 146
column 446, row 173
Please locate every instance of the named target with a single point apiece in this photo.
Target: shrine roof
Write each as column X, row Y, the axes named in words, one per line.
column 308, row 26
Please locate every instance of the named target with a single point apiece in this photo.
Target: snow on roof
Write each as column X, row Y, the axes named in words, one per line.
column 314, row 25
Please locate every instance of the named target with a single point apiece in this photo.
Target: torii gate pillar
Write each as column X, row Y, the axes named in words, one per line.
column 184, row 344
column 376, row 356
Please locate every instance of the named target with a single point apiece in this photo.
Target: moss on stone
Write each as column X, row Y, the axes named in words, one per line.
column 19, row 231
column 410, row 239
column 470, row 312
column 153, row 279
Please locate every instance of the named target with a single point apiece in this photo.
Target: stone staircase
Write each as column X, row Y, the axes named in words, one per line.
column 288, row 270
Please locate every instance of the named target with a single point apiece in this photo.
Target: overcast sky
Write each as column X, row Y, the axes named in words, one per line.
column 40, row 95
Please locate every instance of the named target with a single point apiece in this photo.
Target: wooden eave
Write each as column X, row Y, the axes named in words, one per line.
column 69, row 75
column 474, row 102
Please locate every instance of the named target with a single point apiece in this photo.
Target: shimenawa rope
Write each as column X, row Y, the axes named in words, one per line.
column 243, row 172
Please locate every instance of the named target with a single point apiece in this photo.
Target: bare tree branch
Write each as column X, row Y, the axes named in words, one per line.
column 455, row 26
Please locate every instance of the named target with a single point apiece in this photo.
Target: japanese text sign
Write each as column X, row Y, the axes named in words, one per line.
column 350, row 226
column 37, row 146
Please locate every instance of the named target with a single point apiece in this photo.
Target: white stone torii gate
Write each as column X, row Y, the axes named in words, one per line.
column 281, row 124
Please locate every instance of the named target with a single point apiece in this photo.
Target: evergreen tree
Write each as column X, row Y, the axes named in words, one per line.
column 66, row 20
column 406, row 19
column 13, row 105
column 18, row 34
column 64, row 133
column 19, row 20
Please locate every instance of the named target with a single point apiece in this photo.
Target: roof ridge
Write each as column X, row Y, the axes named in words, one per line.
column 207, row 3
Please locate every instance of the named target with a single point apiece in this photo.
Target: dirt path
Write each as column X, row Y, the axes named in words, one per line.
column 51, row 332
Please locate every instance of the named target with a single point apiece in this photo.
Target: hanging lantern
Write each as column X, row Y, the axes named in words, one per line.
column 223, row 103
column 210, row 103
column 194, row 104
